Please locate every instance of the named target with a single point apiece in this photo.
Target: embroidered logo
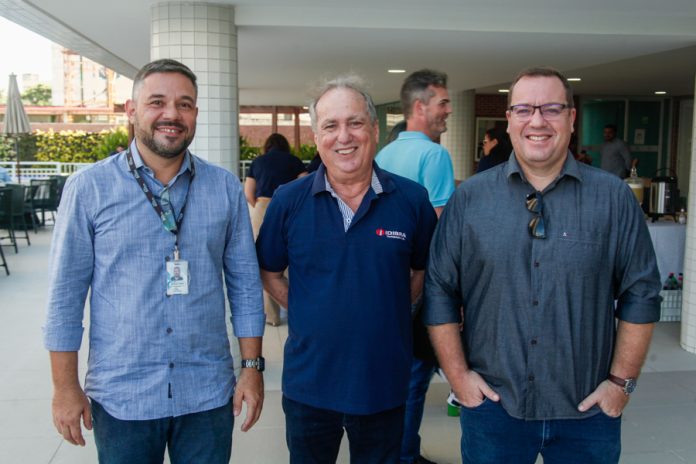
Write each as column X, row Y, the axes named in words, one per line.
column 391, row 234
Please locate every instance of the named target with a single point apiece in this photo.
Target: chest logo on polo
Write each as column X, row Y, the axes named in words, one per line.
column 391, row 234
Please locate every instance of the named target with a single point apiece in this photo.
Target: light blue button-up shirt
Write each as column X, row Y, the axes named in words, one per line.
column 153, row 355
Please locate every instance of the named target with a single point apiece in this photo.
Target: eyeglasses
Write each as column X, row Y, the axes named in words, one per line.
column 549, row 111
column 537, row 227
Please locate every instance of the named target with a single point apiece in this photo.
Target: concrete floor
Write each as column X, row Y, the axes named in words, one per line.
column 659, row 425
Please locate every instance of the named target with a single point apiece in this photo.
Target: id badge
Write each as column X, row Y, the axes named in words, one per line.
column 177, row 277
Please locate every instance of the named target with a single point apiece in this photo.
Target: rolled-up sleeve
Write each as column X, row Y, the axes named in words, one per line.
column 638, row 278
column 241, row 271
column 442, row 276
column 70, row 268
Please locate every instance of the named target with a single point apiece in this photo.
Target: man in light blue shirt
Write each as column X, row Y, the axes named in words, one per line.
column 416, row 155
column 160, row 372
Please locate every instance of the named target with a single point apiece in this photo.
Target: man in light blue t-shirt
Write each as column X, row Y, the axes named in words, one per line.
column 416, row 155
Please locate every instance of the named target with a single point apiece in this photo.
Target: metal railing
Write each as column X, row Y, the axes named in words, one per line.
column 40, row 169
column 45, row 169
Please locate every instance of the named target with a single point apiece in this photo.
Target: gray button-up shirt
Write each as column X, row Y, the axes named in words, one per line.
column 539, row 314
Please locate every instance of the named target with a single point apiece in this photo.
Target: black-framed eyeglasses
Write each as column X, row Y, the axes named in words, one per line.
column 537, row 226
column 549, row 111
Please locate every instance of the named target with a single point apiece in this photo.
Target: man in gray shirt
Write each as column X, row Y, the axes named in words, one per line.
column 614, row 153
column 540, row 365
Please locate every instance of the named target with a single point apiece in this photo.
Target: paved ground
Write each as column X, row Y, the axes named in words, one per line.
column 659, row 425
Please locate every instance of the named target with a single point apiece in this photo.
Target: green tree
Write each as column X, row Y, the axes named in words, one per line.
column 38, row 94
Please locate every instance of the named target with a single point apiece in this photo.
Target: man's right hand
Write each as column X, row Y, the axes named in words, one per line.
column 472, row 390
column 69, row 405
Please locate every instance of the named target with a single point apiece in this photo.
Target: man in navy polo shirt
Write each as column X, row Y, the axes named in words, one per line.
column 355, row 239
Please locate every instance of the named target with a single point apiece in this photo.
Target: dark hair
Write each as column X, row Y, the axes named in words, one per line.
column 611, row 126
column 165, row 65
column 346, row 81
column 497, row 133
column 398, row 128
column 543, row 72
column 415, row 87
column 277, row 141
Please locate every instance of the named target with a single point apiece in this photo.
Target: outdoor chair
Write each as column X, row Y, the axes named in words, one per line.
column 5, row 198
column 60, row 183
column 12, row 214
column 45, row 197
column 4, row 263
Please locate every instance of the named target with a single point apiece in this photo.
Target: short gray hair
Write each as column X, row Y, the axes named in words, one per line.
column 346, row 81
column 165, row 65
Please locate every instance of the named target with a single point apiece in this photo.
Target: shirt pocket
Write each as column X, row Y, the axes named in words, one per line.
column 581, row 253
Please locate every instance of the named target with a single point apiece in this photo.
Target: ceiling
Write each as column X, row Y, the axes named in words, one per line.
column 622, row 47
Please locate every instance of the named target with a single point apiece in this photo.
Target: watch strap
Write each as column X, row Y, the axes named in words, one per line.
column 258, row 363
column 628, row 385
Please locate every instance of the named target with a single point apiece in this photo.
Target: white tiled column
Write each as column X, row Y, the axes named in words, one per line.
column 460, row 139
column 203, row 36
column 688, row 316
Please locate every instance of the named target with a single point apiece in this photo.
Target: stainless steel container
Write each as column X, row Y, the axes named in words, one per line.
column 664, row 196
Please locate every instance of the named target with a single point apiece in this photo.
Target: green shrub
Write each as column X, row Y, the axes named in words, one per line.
column 78, row 146
column 246, row 151
column 306, row 152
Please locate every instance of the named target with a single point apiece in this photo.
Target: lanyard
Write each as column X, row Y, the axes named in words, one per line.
column 156, row 204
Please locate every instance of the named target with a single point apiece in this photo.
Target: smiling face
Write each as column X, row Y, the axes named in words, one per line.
column 163, row 113
column 436, row 112
column 345, row 136
column 540, row 144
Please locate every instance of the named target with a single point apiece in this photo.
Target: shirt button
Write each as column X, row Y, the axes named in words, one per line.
column 169, row 330
column 535, row 302
column 171, row 365
column 534, row 341
column 531, row 378
column 167, row 258
column 536, row 263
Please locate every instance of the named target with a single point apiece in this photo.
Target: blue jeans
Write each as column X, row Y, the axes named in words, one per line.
column 204, row 437
column 314, row 435
column 491, row 435
column 421, row 374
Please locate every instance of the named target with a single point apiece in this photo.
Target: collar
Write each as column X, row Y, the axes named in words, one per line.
column 380, row 178
column 570, row 168
column 413, row 135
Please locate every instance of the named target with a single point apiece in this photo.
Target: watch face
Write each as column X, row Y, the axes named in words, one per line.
column 630, row 386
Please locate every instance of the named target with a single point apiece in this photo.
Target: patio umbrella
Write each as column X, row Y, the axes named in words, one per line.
column 16, row 120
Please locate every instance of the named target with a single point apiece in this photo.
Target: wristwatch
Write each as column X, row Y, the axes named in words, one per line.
column 259, row 363
column 628, row 385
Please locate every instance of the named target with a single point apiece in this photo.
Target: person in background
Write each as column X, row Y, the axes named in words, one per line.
column 160, row 374
column 117, row 150
column 314, row 164
column 277, row 166
column 417, row 155
column 354, row 239
column 559, row 296
column 4, row 176
column 496, row 149
column 615, row 157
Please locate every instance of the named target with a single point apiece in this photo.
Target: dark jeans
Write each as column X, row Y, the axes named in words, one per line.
column 491, row 435
column 204, row 437
column 314, row 435
column 421, row 373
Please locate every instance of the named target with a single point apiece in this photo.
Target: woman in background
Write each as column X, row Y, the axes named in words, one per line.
column 266, row 173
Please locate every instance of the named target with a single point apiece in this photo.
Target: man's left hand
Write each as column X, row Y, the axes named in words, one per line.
column 609, row 397
column 249, row 389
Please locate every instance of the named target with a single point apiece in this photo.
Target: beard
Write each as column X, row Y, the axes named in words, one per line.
column 165, row 150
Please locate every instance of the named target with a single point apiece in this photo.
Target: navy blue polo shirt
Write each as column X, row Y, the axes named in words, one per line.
column 349, row 316
column 273, row 169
